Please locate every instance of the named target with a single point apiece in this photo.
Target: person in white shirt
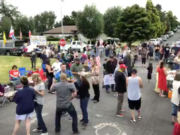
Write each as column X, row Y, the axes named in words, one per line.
column 47, row 52
column 56, row 66
column 175, row 97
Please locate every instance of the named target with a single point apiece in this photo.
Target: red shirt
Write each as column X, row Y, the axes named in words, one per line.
column 14, row 73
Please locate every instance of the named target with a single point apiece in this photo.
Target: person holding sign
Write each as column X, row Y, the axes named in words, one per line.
column 120, row 87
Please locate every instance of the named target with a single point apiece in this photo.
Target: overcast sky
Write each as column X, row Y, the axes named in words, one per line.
column 33, row 7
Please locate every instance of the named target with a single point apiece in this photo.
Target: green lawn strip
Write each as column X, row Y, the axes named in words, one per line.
column 6, row 63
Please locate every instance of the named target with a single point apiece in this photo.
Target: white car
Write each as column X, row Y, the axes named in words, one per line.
column 164, row 38
column 154, row 41
column 170, row 33
column 160, row 40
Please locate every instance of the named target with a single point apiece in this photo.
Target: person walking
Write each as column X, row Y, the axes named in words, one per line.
column 33, row 59
column 25, row 105
column 84, row 95
column 134, row 84
column 95, row 80
column 38, row 103
column 149, row 73
column 120, row 87
column 65, row 92
column 143, row 57
column 128, row 63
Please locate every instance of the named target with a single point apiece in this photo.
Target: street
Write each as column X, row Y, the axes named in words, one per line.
column 156, row 113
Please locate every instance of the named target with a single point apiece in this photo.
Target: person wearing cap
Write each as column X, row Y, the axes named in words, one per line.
column 110, row 68
column 76, row 68
column 120, row 88
column 134, row 85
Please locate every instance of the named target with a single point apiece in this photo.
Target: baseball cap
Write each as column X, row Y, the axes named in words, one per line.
column 122, row 66
column 77, row 59
column 133, row 71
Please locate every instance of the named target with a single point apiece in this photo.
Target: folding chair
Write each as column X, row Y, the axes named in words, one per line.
column 7, row 94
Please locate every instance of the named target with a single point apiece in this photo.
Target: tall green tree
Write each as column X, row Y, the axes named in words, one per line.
column 8, row 10
column 110, row 19
column 44, row 21
column 172, row 19
column 5, row 26
column 24, row 24
column 155, row 19
column 90, row 22
column 133, row 25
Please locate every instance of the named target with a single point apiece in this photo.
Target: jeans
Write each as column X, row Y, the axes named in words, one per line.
column 33, row 63
column 50, row 81
column 112, row 87
column 15, row 81
column 41, row 124
column 120, row 102
column 84, row 105
column 72, row 112
column 174, row 110
column 96, row 92
column 177, row 66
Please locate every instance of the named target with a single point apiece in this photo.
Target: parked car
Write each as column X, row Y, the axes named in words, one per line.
column 164, row 38
column 154, row 41
column 12, row 47
column 170, row 33
column 160, row 40
column 175, row 30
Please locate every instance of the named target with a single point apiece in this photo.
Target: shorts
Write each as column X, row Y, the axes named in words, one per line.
column 174, row 110
column 143, row 60
column 134, row 104
column 24, row 116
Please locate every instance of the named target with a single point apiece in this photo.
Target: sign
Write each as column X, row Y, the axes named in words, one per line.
column 62, row 42
column 38, row 40
column 108, row 80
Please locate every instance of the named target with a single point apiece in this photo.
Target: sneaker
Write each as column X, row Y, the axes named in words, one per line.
column 36, row 130
column 119, row 115
column 81, row 120
column 76, row 133
column 133, row 121
column 139, row 118
column 45, row 133
column 95, row 101
column 122, row 110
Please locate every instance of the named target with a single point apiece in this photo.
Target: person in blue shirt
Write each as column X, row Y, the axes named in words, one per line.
column 70, row 77
column 25, row 105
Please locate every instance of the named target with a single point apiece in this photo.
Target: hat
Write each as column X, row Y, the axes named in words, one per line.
column 134, row 71
column 77, row 59
column 122, row 66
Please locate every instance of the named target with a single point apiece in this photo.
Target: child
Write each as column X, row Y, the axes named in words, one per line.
column 150, row 69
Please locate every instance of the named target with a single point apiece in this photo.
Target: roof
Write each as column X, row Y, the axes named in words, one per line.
column 58, row 30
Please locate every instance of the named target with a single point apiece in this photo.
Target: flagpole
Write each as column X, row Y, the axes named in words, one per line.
column 62, row 31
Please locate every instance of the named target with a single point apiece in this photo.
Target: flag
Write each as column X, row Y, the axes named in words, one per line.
column 13, row 38
column 4, row 37
column 29, row 33
column 11, row 32
column 20, row 35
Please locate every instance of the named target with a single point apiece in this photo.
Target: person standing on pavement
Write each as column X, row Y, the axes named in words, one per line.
column 56, row 66
column 143, row 57
column 65, row 92
column 38, row 103
column 76, row 68
column 128, row 63
column 120, row 87
column 166, row 53
column 95, row 80
column 110, row 68
column 84, row 95
column 134, row 84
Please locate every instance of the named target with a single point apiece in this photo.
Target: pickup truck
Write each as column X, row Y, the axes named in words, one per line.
column 76, row 46
column 12, row 47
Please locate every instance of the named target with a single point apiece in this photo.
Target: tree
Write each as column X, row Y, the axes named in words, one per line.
column 68, row 20
column 5, row 26
column 133, row 25
column 172, row 19
column 8, row 10
column 155, row 19
column 110, row 19
column 57, row 24
column 90, row 22
column 44, row 21
column 24, row 24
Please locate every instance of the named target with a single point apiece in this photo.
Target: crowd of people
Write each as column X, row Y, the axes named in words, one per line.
column 73, row 73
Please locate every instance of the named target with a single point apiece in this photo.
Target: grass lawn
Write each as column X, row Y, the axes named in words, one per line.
column 6, row 63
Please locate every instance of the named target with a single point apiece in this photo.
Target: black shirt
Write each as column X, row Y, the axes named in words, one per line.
column 83, row 91
column 120, row 81
column 176, row 49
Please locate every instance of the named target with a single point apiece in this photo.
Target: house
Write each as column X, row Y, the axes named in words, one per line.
column 57, row 32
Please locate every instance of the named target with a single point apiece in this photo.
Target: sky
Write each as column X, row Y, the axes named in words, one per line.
column 33, row 7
